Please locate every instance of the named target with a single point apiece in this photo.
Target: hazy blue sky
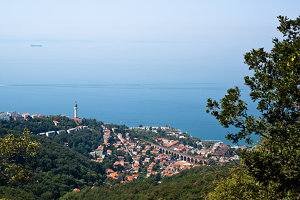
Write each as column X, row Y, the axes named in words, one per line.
column 94, row 41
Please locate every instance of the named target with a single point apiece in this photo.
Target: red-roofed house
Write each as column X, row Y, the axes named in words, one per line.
column 25, row 115
column 56, row 123
column 78, row 120
column 76, row 190
column 109, row 152
column 108, row 171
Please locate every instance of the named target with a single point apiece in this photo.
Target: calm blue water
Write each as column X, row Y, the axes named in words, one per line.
column 124, row 82
column 177, row 105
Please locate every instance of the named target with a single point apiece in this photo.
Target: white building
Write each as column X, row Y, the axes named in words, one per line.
column 72, row 130
column 61, row 131
column 75, row 110
column 13, row 114
column 4, row 116
column 50, row 133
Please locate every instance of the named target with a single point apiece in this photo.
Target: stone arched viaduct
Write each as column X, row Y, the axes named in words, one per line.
column 178, row 155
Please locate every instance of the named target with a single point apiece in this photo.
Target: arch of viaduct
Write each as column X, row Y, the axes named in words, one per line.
column 178, row 155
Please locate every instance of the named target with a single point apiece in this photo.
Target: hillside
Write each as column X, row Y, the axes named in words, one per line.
column 188, row 184
column 139, row 171
column 57, row 170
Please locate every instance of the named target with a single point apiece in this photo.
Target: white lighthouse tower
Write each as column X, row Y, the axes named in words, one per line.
column 75, row 110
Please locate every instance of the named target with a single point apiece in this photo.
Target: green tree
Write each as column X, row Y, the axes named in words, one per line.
column 16, row 155
column 241, row 185
column 274, row 163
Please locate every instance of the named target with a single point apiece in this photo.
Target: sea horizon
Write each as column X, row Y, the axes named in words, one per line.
column 178, row 105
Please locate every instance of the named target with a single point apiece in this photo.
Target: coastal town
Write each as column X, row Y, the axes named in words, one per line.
column 178, row 100
column 134, row 157
column 163, row 157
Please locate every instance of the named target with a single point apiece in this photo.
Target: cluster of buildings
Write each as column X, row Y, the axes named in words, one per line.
column 13, row 115
column 106, row 134
column 157, row 129
column 219, row 152
column 135, row 158
column 139, row 158
column 224, row 153
column 98, row 153
column 71, row 130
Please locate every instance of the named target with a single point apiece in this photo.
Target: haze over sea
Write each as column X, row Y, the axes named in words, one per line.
column 131, row 62
column 177, row 105
column 173, row 93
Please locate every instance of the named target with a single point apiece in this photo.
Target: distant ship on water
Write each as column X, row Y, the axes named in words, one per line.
column 36, row 45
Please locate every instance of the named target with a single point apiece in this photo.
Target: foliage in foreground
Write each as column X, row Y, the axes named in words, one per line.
column 16, row 154
column 57, row 170
column 241, row 185
column 272, row 169
column 188, row 184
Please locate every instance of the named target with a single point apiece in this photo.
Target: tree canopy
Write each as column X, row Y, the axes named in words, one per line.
column 188, row 184
column 274, row 162
column 16, row 155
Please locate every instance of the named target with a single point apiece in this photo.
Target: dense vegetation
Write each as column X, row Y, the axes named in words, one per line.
column 57, row 170
column 39, row 125
column 152, row 136
column 83, row 142
column 188, row 184
column 272, row 169
column 16, row 157
column 44, row 124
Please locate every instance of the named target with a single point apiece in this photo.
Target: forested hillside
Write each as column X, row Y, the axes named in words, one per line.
column 188, row 184
column 63, row 164
column 57, row 170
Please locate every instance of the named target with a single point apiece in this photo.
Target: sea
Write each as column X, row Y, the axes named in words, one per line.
column 180, row 106
column 133, row 83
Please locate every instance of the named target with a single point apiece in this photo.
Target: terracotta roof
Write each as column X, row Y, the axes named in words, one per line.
column 109, row 170
column 129, row 178
column 117, row 163
column 76, row 190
